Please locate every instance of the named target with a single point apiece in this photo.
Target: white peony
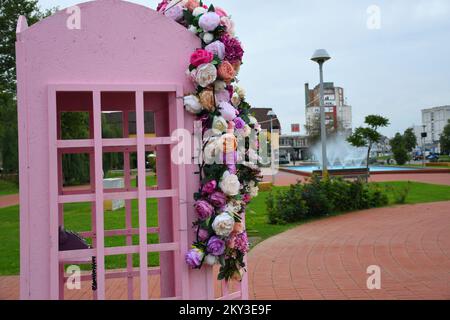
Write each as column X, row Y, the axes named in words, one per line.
column 220, row 85
column 236, row 100
column 192, row 104
column 193, row 29
column 206, row 74
column 241, row 92
column 230, row 184
column 208, row 38
column 253, row 120
column 211, row 260
column 247, row 131
column 253, row 189
column 198, row 11
column 233, row 207
column 220, row 124
column 223, row 224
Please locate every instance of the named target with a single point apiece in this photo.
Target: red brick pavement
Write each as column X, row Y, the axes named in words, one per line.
column 328, row 259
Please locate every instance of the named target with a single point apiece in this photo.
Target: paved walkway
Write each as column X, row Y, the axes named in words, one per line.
column 328, row 259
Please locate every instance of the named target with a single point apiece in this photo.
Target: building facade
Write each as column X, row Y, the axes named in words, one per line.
column 338, row 115
column 293, row 147
column 434, row 121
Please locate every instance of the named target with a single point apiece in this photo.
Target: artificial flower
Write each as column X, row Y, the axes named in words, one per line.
column 192, row 104
column 203, row 234
column 209, row 21
column 194, row 257
column 208, row 37
column 209, row 187
column 239, row 123
column 203, row 209
column 221, row 13
column 230, row 184
column 235, row 100
column 220, row 85
column 201, row 56
column 193, row 29
column 222, row 96
column 226, row 71
column 174, row 12
column 191, row 5
column 218, row 199
column 206, row 75
column 217, row 48
column 216, row 246
column 241, row 92
column 228, row 24
column 223, row 224
column 253, row 189
column 233, row 48
column 220, row 124
column 207, row 100
column 198, row 11
column 241, row 242
column 211, row 260
column 227, row 111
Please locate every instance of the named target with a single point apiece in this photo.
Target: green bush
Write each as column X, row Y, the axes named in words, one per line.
column 321, row 197
column 400, row 194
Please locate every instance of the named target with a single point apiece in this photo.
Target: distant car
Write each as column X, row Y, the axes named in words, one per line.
column 433, row 157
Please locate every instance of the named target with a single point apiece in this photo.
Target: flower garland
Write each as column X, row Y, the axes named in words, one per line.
column 226, row 188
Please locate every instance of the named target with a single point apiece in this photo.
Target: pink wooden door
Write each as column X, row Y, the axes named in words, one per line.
column 170, row 192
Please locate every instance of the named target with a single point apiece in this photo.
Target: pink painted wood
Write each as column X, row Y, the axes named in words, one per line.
column 125, row 58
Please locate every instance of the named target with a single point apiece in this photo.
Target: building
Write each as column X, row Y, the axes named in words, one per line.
column 434, row 121
column 293, row 147
column 338, row 114
column 264, row 120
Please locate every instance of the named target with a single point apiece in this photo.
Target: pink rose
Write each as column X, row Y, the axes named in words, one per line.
column 192, row 4
column 228, row 24
column 200, row 57
column 209, row 21
column 175, row 13
column 210, row 187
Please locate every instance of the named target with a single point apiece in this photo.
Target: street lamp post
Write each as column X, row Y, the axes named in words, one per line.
column 271, row 114
column 424, row 135
column 321, row 56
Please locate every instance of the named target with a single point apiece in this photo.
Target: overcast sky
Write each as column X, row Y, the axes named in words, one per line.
column 395, row 70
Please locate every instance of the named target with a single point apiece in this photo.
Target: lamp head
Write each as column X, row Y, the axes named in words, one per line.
column 271, row 114
column 320, row 56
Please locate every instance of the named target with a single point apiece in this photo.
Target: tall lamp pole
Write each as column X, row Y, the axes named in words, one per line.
column 321, row 56
column 271, row 114
column 424, row 135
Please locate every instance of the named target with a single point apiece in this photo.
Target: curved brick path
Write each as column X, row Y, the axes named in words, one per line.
column 328, row 259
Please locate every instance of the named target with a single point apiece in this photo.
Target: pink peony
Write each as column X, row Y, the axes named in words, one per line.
column 175, row 13
column 203, row 234
column 222, row 96
column 221, row 12
column 246, row 198
column 162, row 6
column 241, row 242
column 228, row 24
column 228, row 111
column 209, row 21
column 217, row 48
column 233, row 48
column 204, row 209
column 209, row 187
column 201, row 56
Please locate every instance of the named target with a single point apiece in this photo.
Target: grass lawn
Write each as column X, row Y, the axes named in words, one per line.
column 7, row 187
column 77, row 218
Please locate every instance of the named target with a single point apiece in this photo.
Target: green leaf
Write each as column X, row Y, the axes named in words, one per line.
column 211, row 9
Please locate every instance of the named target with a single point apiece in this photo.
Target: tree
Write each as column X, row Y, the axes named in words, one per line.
column 369, row 135
column 9, row 13
column 410, row 139
column 399, row 149
column 445, row 139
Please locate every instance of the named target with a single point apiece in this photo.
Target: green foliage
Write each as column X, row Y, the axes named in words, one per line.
column 398, row 145
column 445, row 139
column 321, row 197
column 369, row 135
column 410, row 139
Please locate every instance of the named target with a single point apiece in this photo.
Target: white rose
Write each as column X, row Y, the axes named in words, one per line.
column 230, row 184
column 211, row 260
column 198, row 11
column 212, row 149
column 235, row 100
column 253, row 120
column 241, row 92
column 193, row 29
column 220, row 124
column 223, row 224
column 206, row 74
column 220, row 85
column 208, row 38
column 253, row 189
column 247, row 131
column 192, row 104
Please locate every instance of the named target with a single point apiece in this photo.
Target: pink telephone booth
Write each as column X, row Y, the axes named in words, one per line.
column 123, row 58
